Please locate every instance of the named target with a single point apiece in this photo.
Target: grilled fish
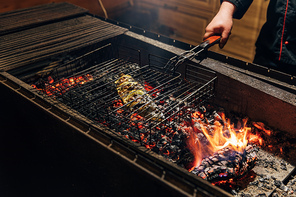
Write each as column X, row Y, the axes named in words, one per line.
column 134, row 95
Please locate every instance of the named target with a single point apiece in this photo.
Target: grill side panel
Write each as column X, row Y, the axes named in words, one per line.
column 29, row 17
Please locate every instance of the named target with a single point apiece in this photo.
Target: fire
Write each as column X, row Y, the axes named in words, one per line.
column 154, row 92
column 218, row 136
column 205, row 137
column 261, row 126
column 281, row 150
column 63, row 85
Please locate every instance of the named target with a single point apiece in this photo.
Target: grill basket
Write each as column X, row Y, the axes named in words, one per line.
column 86, row 84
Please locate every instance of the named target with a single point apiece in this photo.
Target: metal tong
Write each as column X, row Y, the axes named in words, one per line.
column 177, row 60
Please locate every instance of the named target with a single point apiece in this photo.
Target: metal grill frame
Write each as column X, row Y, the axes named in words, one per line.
column 105, row 63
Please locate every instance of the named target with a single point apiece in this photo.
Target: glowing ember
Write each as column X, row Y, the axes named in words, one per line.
column 261, row 126
column 63, row 85
column 219, row 135
column 222, row 151
column 209, row 146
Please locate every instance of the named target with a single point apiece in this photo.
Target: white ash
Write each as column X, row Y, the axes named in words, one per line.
column 288, row 189
column 269, row 174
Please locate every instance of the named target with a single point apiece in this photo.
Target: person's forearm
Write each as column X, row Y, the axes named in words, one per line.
column 241, row 6
column 221, row 23
column 227, row 8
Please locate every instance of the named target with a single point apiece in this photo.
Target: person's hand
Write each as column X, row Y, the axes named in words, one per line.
column 222, row 23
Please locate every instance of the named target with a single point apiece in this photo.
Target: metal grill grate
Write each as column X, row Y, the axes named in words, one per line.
column 87, row 85
column 25, row 18
column 32, row 46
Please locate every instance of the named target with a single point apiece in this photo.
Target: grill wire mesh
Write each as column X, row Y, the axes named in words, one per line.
column 95, row 96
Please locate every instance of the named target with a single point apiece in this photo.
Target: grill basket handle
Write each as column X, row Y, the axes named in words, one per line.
column 212, row 40
column 176, row 61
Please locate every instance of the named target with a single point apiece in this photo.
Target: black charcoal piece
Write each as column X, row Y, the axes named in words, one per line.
column 277, row 183
column 220, row 167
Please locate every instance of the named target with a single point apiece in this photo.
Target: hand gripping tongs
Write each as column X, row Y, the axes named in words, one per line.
column 177, row 60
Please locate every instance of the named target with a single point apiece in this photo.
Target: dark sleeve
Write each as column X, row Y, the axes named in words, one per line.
column 241, row 7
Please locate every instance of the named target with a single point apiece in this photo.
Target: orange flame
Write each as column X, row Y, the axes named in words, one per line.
column 261, row 126
column 219, row 136
column 196, row 149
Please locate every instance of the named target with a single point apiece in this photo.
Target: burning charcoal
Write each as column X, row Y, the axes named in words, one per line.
column 205, row 164
column 163, row 141
column 202, row 175
column 173, row 148
column 206, row 170
column 155, row 149
column 217, row 116
column 177, row 142
column 143, row 131
column 124, row 132
column 221, row 152
column 224, row 163
column 221, row 167
column 215, row 159
column 201, row 137
column 120, row 129
column 172, row 98
column 151, row 139
column 200, row 168
column 202, row 109
column 159, row 146
column 126, row 135
column 211, row 120
column 209, row 161
column 230, row 171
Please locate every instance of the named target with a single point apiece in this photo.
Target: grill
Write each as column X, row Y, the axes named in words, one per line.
column 99, row 100
column 75, row 99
